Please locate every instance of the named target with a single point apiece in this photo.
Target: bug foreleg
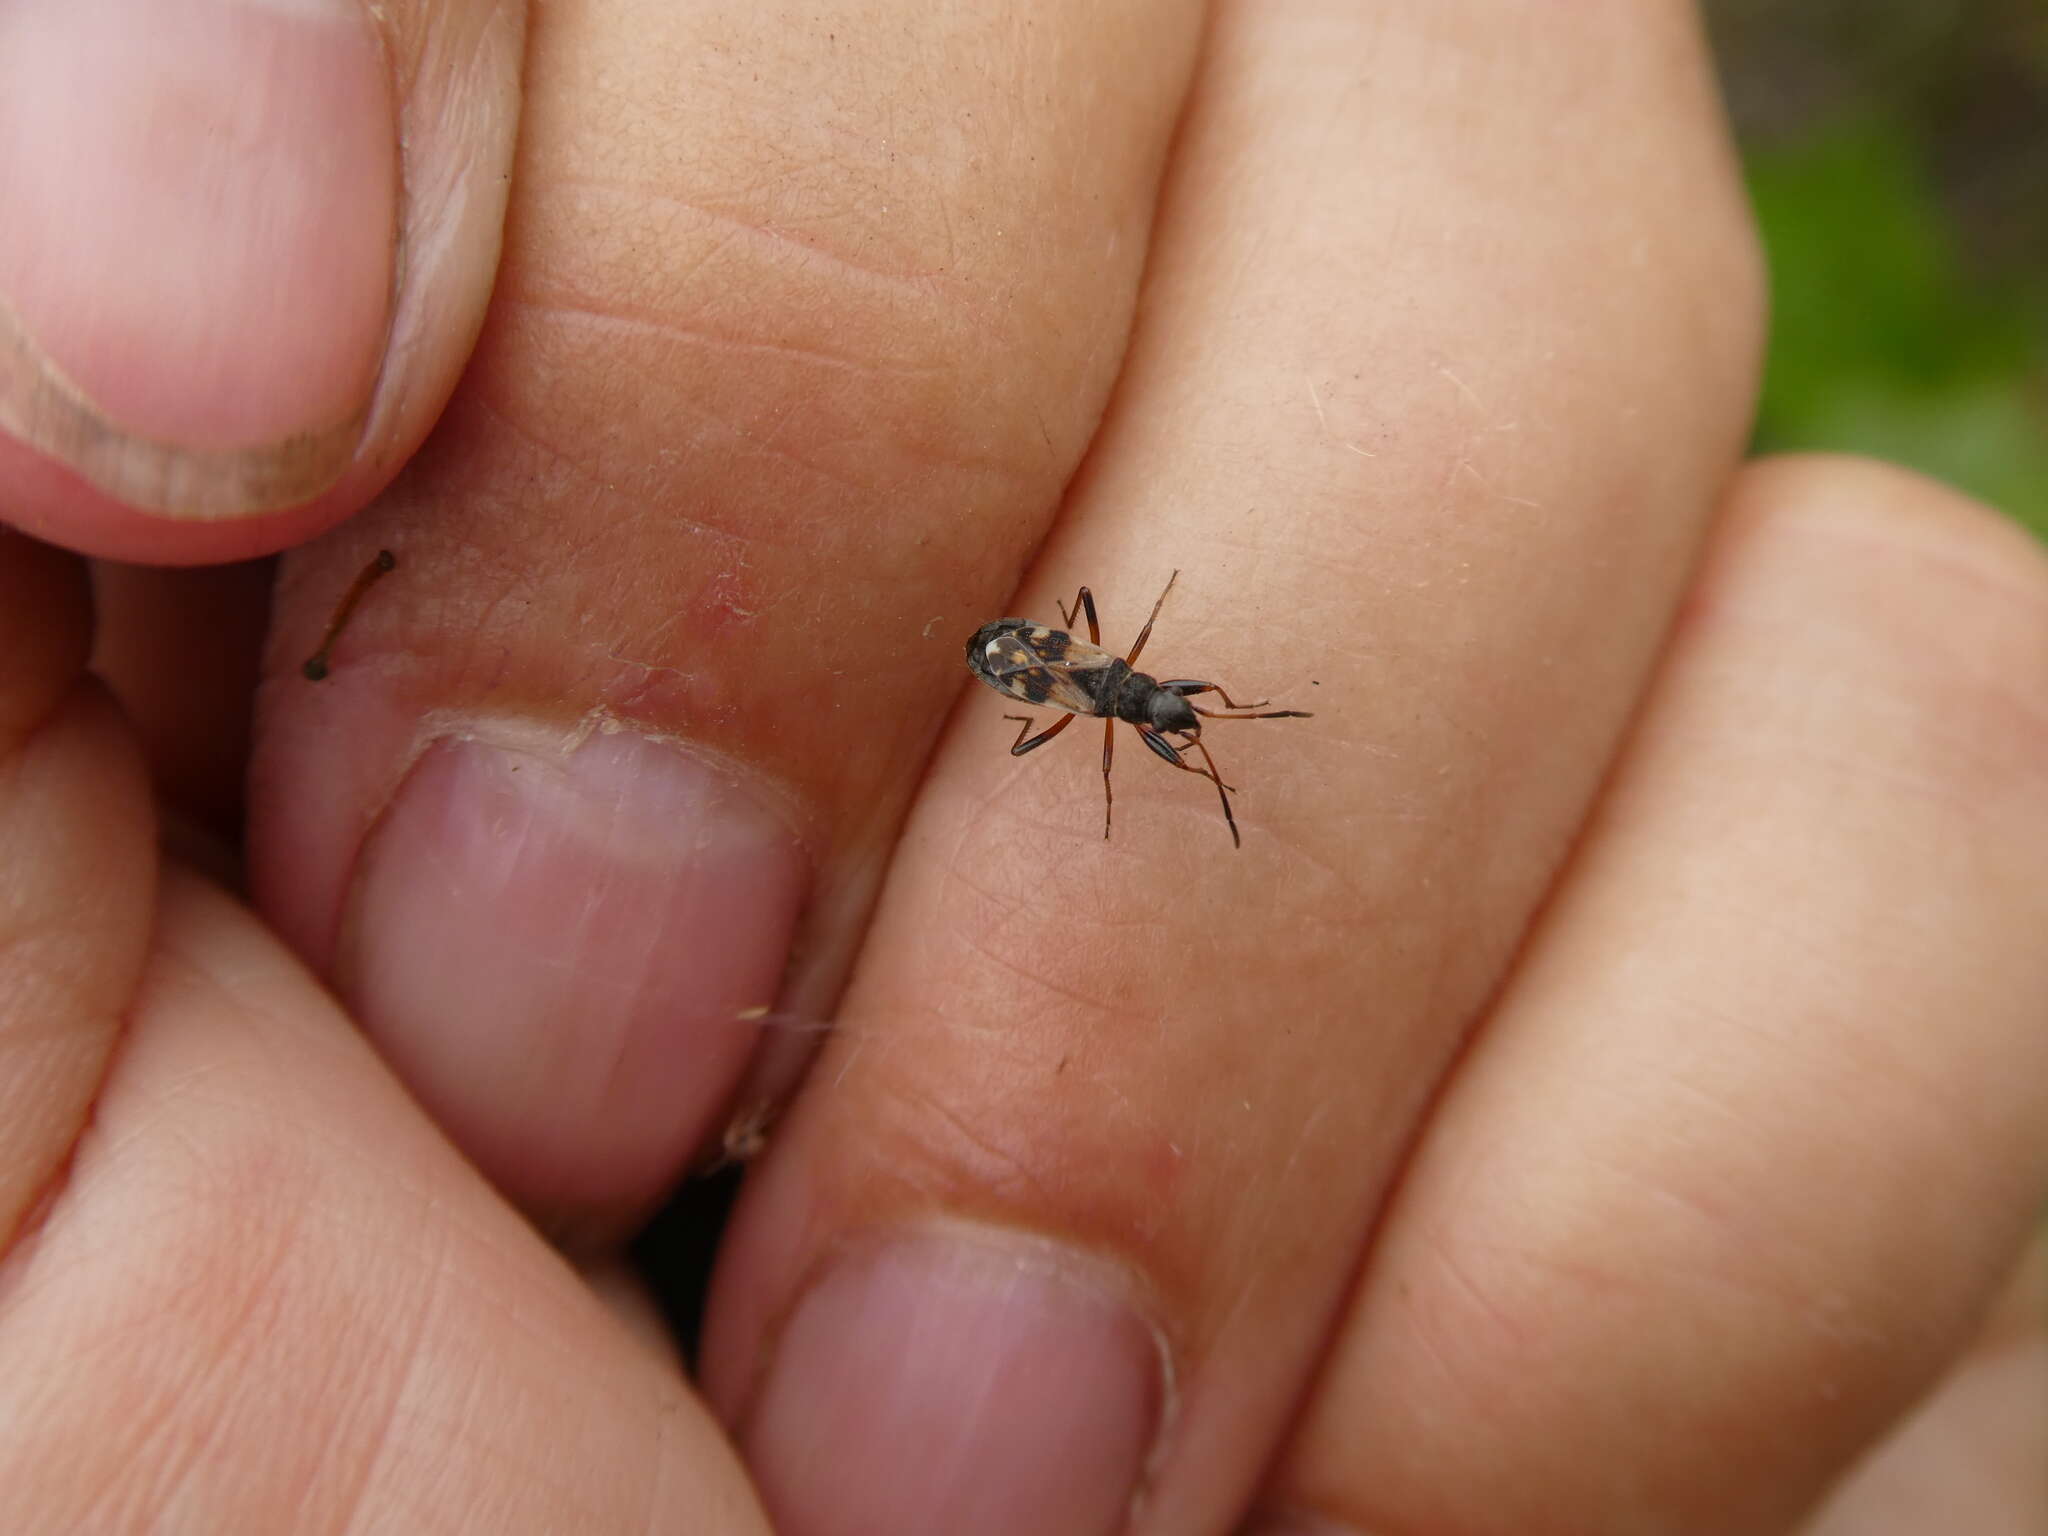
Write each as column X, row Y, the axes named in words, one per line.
column 1020, row 746
column 1187, row 687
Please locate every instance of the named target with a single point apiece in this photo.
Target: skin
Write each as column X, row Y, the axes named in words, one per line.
column 1612, row 1060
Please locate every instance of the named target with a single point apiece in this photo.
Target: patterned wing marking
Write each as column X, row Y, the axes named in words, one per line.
column 1048, row 667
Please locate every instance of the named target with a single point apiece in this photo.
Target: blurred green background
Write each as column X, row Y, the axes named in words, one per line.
column 1897, row 152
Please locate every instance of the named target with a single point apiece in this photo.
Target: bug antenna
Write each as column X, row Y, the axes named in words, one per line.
column 1146, row 633
column 1269, row 714
column 1170, row 580
column 315, row 668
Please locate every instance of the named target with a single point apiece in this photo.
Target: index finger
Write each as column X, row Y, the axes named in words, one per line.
column 787, row 360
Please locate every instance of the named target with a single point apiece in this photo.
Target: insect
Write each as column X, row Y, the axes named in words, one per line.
column 1042, row 665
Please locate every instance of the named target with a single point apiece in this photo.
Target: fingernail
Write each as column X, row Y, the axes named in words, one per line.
column 554, row 949
column 197, row 250
column 942, row 1383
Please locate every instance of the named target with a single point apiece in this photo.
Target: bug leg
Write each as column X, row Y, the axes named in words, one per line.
column 1223, row 791
column 1020, row 746
column 1108, row 750
column 1167, row 750
column 1146, row 633
column 1084, row 599
column 1186, row 687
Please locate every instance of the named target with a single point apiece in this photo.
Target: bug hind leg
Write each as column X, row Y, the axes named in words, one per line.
column 1224, row 791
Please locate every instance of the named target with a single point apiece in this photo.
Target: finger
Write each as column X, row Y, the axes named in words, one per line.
column 1969, row 1457
column 786, row 358
column 267, row 1297
column 77, row 863
column 1094, row 1104
column 1763, row 1117
column 248, row 244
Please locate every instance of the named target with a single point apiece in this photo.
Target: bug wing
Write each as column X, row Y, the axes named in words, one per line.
column 1049, row 667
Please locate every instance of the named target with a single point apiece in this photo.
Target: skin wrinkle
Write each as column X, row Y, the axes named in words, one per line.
column 1711, row 1219
column 1037, row 986
column 1021, row 1178
column 597, row 543
column 1030, row 970
column 401, row 1343
column 185, row 1456
column 1452, row 1334
column 738, row 438
column 647, row 321
column 998, row 907
column 914, row 289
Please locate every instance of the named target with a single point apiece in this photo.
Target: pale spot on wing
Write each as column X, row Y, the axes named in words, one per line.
column 1006, row 654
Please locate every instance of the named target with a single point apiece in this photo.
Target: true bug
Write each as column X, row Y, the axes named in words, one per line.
column 1042, row 665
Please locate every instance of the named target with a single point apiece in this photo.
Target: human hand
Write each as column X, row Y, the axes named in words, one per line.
column 1524, row 1130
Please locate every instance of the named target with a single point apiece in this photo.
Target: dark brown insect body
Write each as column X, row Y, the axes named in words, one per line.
column 1042, row 665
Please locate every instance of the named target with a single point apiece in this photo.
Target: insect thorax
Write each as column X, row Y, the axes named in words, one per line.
column 1140, row 700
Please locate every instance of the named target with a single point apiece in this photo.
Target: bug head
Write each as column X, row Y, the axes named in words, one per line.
column 1171, row 712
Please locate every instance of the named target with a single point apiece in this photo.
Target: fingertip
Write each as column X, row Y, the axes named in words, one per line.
column 1873, row 499
column 1918, row 589
column 556, row 949
column 196, row 282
